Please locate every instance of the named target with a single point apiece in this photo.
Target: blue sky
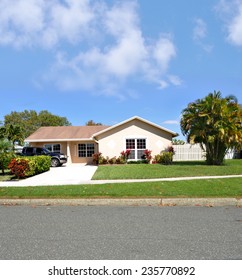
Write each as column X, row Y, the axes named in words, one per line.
column 109, row 60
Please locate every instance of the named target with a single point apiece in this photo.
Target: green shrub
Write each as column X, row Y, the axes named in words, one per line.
column 5, row 159
column 23, row 167
column 164, row 158
column 38, row 164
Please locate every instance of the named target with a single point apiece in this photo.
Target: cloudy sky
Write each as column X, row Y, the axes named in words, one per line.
column 108, row 60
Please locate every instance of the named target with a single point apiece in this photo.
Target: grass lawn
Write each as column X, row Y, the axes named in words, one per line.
column 177, row 169
column 230, row 187
column 6, row 177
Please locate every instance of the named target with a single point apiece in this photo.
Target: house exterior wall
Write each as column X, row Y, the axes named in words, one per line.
column 74, row 158
column 73, row 150
column 113, row 142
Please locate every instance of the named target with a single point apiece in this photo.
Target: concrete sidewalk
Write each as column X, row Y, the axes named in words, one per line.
column 76, row 175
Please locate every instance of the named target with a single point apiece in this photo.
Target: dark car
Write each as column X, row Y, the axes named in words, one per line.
column 57, row 159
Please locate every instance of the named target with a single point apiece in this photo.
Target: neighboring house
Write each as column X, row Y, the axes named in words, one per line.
column 81, row 142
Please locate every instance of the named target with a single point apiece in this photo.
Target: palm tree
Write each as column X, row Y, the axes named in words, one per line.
column 14, row 133
column 215, row 123
column 5, row 154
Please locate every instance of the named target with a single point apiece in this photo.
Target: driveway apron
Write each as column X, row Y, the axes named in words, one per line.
column 64, row 175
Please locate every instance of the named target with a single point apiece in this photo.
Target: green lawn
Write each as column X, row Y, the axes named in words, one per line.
column 230, row 187
column 7, row 176
column 177, row 169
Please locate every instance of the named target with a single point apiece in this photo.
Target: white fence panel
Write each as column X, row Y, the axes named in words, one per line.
column 188, row 152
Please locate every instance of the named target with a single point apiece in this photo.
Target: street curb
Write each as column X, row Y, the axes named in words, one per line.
column 208, row 202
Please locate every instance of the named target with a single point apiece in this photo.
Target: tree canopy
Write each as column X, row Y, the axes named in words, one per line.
column 29, row 120
column 92, row 123
column 215, row 123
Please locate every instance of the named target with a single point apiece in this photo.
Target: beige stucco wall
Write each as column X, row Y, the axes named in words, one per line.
column 112, row 142
column 73, row 150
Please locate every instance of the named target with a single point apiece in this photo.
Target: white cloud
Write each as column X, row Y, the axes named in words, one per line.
column 200, row 34
column 43, row 23
column 231, row 14
column 235, row 28
column 109, row 45
column 172, row 122
column 175, row 80
column 200, row 29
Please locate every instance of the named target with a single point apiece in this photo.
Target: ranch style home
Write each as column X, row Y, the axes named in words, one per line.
column 79, row 143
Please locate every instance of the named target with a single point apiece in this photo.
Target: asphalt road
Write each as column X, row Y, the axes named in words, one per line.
column 63, row 232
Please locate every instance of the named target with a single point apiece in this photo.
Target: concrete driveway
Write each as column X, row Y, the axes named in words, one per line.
column 65, row 175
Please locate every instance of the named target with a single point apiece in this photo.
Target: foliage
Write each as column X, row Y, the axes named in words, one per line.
column 23, row 167
column 37, row 164
column 96, row 157
column 215, row 123
column 147, row 155
column 165, row 157
column 30, row 121
column 120, row 160
column 92, row 123
column 6, row 154
column 13, row 133
column 178, row 142
column 125, row 155
column 19, row 167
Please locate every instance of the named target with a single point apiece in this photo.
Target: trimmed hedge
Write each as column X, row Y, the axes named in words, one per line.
column 23, row 167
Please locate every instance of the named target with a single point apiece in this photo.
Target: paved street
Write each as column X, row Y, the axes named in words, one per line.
column 78, row 232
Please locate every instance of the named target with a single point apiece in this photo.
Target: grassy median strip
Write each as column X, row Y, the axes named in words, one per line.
column 229, row 187
column 177, row 169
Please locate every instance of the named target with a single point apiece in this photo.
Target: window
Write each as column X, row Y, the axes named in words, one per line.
column 137, row 147
column 53, row 147
column 86, row 150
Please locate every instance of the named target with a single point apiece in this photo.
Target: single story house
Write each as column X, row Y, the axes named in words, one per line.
column 79, row 143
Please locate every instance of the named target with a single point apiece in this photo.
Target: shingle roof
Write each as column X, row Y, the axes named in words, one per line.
column 65, row 133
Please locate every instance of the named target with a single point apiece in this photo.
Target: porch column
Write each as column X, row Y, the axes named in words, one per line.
column 69, row 160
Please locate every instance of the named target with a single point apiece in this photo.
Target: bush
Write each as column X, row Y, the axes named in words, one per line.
column 38, row 164
column 96, row 158
column 5, row 159
column 19, row 167
column 112, row 160
column 164, row 158
column 23, row 167
column 147, row 154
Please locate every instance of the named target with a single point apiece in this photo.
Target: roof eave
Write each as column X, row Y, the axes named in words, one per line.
column 59, row 140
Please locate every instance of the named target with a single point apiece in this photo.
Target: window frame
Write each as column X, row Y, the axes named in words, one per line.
column 52, row 147
column 140, row 142
column 87, row 150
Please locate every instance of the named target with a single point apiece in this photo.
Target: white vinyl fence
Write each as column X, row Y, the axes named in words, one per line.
column 193, row 152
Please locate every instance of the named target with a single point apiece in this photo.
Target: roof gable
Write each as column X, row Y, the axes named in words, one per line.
column 174, row 134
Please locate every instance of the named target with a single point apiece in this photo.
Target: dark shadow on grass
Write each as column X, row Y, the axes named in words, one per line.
column 188, row 163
